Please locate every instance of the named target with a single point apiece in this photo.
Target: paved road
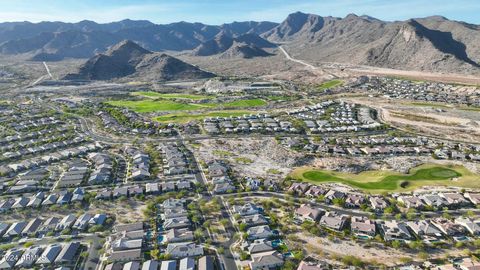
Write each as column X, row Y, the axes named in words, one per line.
column 48, row 70
column 341, row 210
column 305, row 63
column 226, row 259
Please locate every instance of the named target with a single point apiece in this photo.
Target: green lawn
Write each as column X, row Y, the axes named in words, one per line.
column 161, row 105
column 378, row 181
column 145, row 106
column 155, row 95
column 187, row 117
column 330, row 84
column 245, row 103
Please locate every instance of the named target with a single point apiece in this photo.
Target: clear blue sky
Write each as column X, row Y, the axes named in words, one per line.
column 220, row 11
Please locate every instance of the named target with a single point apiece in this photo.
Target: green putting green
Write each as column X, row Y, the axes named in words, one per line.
column 392, row 181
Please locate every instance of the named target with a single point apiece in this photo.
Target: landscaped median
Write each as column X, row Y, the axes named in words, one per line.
column 390, row 181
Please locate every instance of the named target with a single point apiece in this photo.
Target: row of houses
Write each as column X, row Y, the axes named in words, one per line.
column 259, row 235
column 424, row 91
column 34, row 123
column 312, row 112
column 439, row 200
column 75, row 175
column 139, row 164
column 429, row 231
column 41, row 256
column 36, row 162
column 39, row 227
column 103, row 166
column 332, row 195
column 345, row 117
column 218, row 171
column 32, row 135
column 147, row 189
column 247, row 123
column 177, row 230
column 28, row 181
column 395, row 146
column 188, row 263
column 41, row 199
column 38, row 149
column 31, row 143
column 135, row 125
column 126, row 243
column 175, row 160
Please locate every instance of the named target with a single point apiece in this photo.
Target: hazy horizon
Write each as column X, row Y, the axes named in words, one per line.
column 216, row 12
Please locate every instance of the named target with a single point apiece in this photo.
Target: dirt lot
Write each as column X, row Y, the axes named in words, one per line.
column 452, row 123
column 381, row 254
column 254, row 157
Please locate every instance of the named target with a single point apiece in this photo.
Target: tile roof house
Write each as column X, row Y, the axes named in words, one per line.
column 15, row 229
column 254, row 220
column 378, row 203
column 66, row 222
column 187, row 263
column 125, row 255
column 454, row 199
column 10, row 258
column 394, row 230
column 177, row 222
column 49, row 254
column 68, row 252
column 133, row 265
column 472, row 226
column 169, row 265
column 448, row 228
column 424, row 229
column 150, row 265
column 315, row 191
column 299, row 188
column 266, row 260
column 333, row 221
column 129, row 227
column 126, row 244
column 362, row 226
column 82, row 222
column 206, row 263
column 247, row 209
column 51, row 199
column 260, row 245
column 259, row 232
column 307, row 213
column 331, row 195
column 178, row 235
column 309, row 266
column 354, row 200
column 473, row 197
column 20, row 202
column 434, row 200
column 32, row 226
column 28, row 258
column 172, row 203
column 182, row 250
column 411, row 202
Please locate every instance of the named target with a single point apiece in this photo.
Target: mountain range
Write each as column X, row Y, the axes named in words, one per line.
column 128, row 59
column 431, row 44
